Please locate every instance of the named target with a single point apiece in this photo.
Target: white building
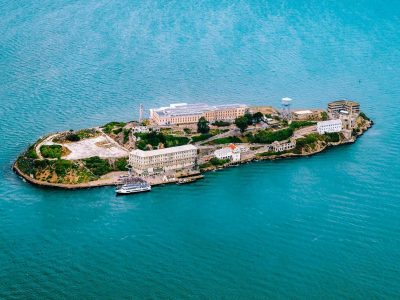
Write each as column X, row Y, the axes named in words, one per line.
column 163, row 160
column 144, row 129
column 280, row 147
column 231, row 152
column 329, row 126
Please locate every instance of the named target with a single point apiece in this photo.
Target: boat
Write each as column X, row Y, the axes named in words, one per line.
column 133, row 185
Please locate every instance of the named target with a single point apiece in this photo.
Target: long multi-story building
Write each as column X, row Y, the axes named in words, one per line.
column 163, row 160
column 335, row 107
column 183, row 113
column 329, row 126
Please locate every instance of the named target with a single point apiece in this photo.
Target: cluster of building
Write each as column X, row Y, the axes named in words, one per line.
column 342, row 115
column 183, row 113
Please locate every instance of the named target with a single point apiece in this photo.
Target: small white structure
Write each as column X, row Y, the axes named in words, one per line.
column 231, row 152
column 140, row 129
column 144, row 129
column 280, row 147
column 329, row 126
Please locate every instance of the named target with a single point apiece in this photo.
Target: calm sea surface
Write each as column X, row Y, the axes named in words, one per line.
column 321, row 227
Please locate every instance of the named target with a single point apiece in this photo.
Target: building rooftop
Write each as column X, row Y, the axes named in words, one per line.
column 183, row 109
column 347, row 102
column 163, row 151
column 303, row 112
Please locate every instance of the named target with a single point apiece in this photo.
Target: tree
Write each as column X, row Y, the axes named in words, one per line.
column 249, row 118
column 324, row 116
column 257, row 117
column 202, row 126
column 241, row 123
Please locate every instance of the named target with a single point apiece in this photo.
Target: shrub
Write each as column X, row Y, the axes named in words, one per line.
column 117, row 131
column 173, row 141
column 86, row 133
column 51, row 151
column 226, row 140
column 333, row 137
column 299, row 124
column 201, row 137
column 268, row 137
column 61, row 166
column 302, row 142
column 97, row 165
column 364, row 116
column 110, row 126
column 120, row 164
column 218, row 162
column 221, row 123
column 26, row 165
column 31, row 152
column 72, row 137
column 154, row 139
column 187, row 130
column 126, row 135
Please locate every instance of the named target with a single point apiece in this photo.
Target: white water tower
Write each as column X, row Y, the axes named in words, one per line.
column 286, row 103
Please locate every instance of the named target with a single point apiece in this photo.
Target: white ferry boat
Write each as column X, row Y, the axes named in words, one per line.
column 133, row 185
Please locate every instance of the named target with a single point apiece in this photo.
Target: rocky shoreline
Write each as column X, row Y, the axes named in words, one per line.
column 110, row 179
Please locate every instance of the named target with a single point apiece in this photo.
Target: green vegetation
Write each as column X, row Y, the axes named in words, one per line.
column 187, row 130
column 221, row 123
column 332, row 137
column 26, row 165
column 126, row 135
column 201, row 137
column 117, row 131
column 120, row 164
column 225, row 140
column 205, row 136
column 72, row 137
column 173, row 141
column 299, row 124
column 249, row 118
column 87, row 133
column 271, row 153
column 97, row 165
column 364, row 116
column 202, row 126
column 109, row 127
column 156, row 138
column 257, row 117
column 242, row 123
column 268, row 137
column 51, row 151
column 324, row 116
column 62, row 166
column 31, row 152
column 218, row 162
column 309, row 140
column 205, row 165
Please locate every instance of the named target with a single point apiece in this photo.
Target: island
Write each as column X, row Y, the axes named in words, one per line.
column 180, row 142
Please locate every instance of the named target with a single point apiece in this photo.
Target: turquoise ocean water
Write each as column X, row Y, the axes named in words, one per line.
column 321, row 227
